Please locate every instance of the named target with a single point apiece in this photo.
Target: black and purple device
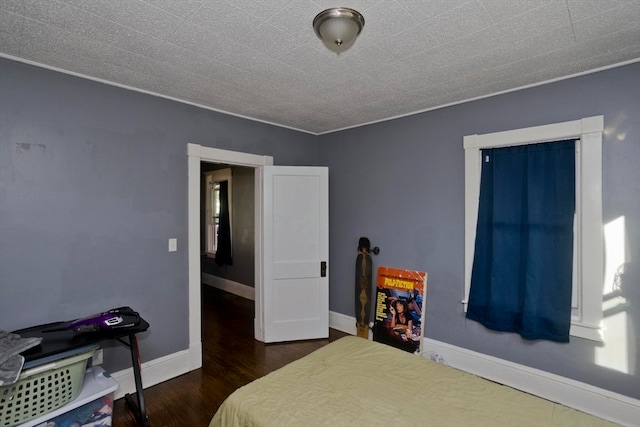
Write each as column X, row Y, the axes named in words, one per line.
column 116, row 318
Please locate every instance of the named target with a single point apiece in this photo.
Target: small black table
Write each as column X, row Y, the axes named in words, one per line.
column 63, row 341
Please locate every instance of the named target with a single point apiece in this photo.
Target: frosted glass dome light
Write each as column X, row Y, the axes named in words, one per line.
column 338, row 28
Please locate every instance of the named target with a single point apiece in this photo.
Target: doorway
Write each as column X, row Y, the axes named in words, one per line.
column 195, row 155
column 233, row 272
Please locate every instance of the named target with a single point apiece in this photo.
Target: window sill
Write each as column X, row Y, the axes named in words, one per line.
column 580, row 330
column 589, row 332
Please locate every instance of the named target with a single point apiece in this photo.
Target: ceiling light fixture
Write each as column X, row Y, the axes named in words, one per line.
column 338, row 27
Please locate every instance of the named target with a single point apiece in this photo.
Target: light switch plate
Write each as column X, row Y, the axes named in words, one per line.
column 173, row 245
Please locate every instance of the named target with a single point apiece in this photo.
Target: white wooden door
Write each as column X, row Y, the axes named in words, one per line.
column 295, row 291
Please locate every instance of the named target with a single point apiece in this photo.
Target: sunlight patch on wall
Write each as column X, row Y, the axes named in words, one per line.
column 617, row 128
column 615, row 353
column 615, row 256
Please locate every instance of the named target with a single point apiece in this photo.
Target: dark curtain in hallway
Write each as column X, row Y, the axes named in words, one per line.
column 223, row 252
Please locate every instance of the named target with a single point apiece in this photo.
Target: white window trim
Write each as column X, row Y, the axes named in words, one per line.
column 587, row 318
column 218, row 175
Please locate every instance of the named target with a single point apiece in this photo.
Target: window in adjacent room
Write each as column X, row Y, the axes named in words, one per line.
column 587, row 277
column 218, row 213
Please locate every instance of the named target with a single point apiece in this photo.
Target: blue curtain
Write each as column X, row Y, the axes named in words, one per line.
column 522, row 267
column 223, row 251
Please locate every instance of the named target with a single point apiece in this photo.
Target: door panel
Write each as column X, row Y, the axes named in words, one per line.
column 295, row 227
column 297, row 290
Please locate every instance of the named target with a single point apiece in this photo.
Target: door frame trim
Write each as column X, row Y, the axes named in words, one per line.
column 196, row 154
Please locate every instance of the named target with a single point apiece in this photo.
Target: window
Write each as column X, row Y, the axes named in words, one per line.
column 213, row 207
column 588, row 241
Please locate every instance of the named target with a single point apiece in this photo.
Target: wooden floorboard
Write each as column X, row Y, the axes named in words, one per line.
column 231, row 358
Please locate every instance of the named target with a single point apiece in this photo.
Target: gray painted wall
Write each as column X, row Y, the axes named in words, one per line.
column 401, row 183
column 93, row 183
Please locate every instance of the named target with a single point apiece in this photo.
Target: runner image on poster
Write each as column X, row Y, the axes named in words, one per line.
column 399, row 308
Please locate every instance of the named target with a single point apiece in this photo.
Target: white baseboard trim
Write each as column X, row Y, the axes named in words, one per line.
column 574, row 394
column 195, row 356
column 584, row 397
column 179, row 363
column 342, row 322
column 230, row 286
column 153, row 372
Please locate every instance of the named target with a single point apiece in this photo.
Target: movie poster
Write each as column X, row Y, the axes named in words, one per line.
column 399, row 308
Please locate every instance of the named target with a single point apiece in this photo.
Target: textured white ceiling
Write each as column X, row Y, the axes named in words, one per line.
column 261, row 58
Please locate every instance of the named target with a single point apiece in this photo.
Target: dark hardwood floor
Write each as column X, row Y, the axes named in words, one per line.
column 231, row 358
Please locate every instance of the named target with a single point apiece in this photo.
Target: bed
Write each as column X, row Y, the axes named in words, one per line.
column 354, row 382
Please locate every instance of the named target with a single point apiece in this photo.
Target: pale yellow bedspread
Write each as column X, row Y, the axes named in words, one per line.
column 356, row 382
